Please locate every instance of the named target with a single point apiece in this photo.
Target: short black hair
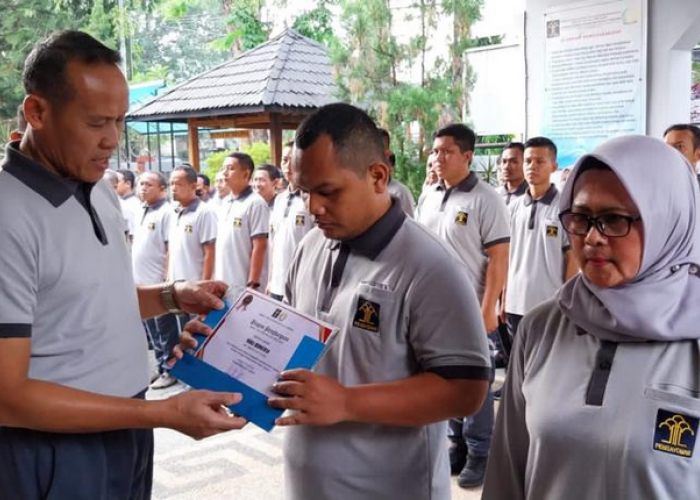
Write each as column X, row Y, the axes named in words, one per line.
column 128, row 176
column 271, row 170
column 162, row 182
column 680, row 127
column 385, row 134
column 357, row 142
column 515, row 145
column 244, row 159
column 464, row 137
column 45, row 67
column 205, row 178
column 392, row 159
column 542, row 142
column 191, row 173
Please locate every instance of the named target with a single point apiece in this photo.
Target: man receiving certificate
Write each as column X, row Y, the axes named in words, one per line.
column 368, row 422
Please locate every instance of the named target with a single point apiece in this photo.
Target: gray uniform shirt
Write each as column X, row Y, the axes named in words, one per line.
column 538, row 246
column 509, row 196
column 403, row 194
column 470, row 217
column 404, row 305
column 66, row 282
column 582, row 418
column 149, row 253
column 241, row 219
column 289, row 223
column 190, row 228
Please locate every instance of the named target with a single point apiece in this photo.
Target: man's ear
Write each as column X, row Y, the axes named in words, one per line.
column 379, row 173
column 36, row 111
column 468, row 157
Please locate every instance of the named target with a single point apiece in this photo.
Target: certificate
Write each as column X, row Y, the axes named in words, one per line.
column 254, row 340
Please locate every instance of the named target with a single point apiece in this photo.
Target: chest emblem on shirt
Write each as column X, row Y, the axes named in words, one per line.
column 152, row 226
column 367, row 315
column 188, row 229
column 237, row 222
column 461, row 218
column 675, row 433
column 552, row 231
column 299, row 220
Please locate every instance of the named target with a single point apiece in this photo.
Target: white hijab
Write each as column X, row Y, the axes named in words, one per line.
column 663, row 301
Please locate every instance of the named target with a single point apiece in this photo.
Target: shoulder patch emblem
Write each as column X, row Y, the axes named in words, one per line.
column 188, row 229
column 675, row 433
column 237, row 222
column 300, row 219
column 367, row 315
column 461, row 218
column 552, row 231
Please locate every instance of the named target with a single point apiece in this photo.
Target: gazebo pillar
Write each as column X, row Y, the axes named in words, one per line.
column 276, row 139
column 193, row 143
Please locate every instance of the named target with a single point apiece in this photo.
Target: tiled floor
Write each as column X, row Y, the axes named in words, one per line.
column 241, row 465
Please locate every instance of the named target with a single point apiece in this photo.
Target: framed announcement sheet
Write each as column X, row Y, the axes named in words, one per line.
column 254, row 339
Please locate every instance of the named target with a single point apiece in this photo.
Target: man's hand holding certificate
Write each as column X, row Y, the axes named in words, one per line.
column 256, row 339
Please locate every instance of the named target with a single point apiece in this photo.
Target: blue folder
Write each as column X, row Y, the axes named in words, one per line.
column 253, row 407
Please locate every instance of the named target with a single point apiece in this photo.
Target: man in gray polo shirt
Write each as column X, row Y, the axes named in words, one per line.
column 473, row 219
column 512, row 175
column 409, row 353
column 192, row 230
column 73, row 365
column 289, row 223
column 396, row 188
column 244, row 222
column 149, row 257
column 540, row 255
column 131, row 205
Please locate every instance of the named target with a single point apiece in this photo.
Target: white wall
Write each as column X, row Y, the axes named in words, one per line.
column 673, row 30
column 497, row 101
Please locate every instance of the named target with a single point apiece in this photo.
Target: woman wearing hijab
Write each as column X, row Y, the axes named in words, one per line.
column 602, row 399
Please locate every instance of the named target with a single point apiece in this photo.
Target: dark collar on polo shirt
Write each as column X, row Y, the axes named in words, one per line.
column 290, row 196
column 55, row 189
column 50, row 186
column 243, row 194
column 155, row 206
column 465, row 186
column 192, row 207
column 369, row 244
column 546, row 199
column 521, row 189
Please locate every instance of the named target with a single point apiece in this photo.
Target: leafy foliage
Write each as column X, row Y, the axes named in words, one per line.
column 258, row 151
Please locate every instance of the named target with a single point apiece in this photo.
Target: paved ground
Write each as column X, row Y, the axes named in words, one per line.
column 245, row 465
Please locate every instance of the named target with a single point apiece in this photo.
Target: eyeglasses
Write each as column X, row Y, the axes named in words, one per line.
column 611, row 225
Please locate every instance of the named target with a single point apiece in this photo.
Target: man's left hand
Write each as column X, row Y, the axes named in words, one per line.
column 316, row 399
column 200, row 297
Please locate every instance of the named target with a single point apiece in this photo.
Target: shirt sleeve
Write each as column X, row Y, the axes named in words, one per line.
column 494, row 223
column 19, row 282
column 258, row 219
column 505, row 474
column 207, row 226
column 446, row 326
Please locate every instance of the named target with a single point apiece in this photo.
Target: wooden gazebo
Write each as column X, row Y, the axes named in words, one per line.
column 273, row 86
